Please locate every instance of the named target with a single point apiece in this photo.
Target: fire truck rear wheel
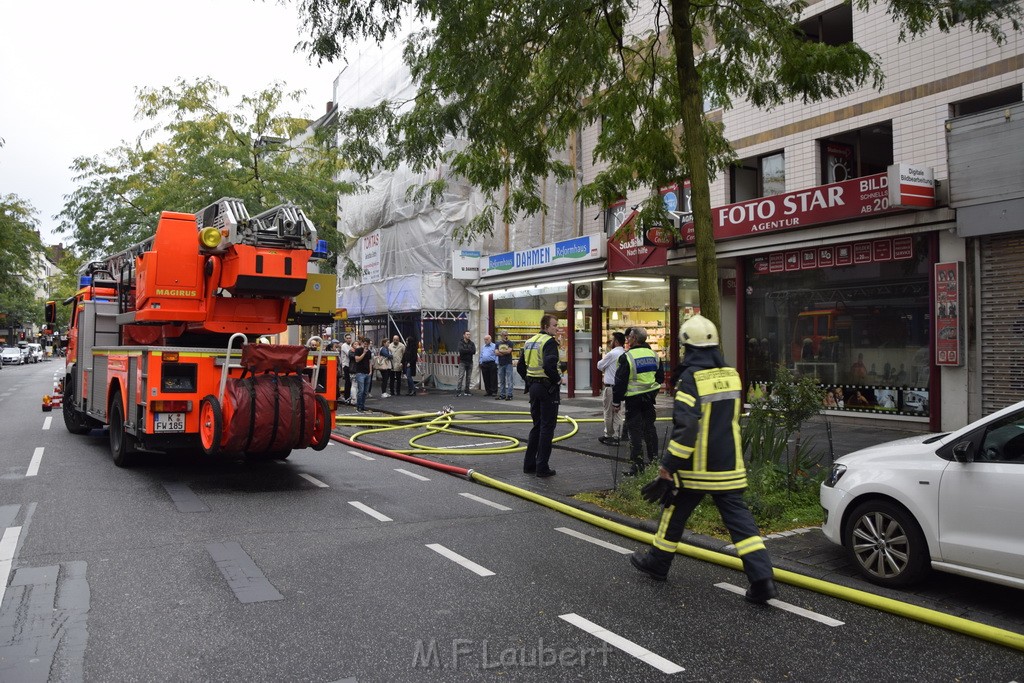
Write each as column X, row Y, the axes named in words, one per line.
column 211, row 424
column 121, row 445
column 321, row 424
column 75, row 421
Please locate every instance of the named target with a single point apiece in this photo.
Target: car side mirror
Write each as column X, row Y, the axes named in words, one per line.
column 962, row 452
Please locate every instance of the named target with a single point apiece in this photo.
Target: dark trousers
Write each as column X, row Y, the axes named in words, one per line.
column 396, row 382
column 385, row 379
column 757, row 564
column 347, row 371
column 544, row 410
column 489, row 371
column 640, row 417
column 410, row 377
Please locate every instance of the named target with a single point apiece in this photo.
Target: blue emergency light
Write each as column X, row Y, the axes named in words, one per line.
column 84, row 280
column 321, row 249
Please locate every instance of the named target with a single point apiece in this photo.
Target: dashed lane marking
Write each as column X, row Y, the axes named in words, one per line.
column 786, row 607
column 412, row 474
column 496, row 506
column 8, row 544
column 459, row 559
column 596, row 541
column 370, row 511
column 46, row 423
column 627, row 646
column 33, row 465
column 361, row 455
column 313, row 480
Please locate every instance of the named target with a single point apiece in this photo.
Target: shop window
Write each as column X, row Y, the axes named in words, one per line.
column 834, row 27
column 761, row 176
column 856, row 153
column 991, row 100
column 861, row 329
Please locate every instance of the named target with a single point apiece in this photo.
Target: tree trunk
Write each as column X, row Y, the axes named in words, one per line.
column 695, row 153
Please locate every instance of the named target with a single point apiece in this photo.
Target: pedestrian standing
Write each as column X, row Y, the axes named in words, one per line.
column 359, row 361
column 608, row 364
column 505, row 376
column 466, row 350
column 397, row 350
column 489, row 365
column 705, row 457
column 383, row 365
column 412, row 349
column 346, row 367
column 638, row 378
column 538, row 366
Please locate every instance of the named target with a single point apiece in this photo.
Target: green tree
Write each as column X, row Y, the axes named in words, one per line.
column 195, row 151
column 518, row 80
column 20, row 248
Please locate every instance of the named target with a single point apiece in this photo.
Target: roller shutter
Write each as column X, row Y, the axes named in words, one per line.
column 1002, row 321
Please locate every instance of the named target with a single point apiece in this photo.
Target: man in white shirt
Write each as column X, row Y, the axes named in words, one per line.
column 607, row 365
column 346, row 348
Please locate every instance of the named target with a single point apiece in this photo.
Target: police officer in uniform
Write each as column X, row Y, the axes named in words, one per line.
column 638, row 379
column 705, row 457
column 538, row 366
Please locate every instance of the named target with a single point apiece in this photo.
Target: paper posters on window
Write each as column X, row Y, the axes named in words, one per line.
column 949, row 326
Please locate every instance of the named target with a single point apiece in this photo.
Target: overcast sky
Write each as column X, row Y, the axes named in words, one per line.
column 69, row 70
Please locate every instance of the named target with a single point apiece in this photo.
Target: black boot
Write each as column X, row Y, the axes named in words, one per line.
column 762, row 591
column 655, row 563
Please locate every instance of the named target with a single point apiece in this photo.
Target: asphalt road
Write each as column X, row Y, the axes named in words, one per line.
column 332, row 566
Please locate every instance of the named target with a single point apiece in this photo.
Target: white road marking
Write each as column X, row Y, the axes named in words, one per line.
column 412, row 474
column 33, row 465
column 8, row 544
column 475, row 445
column 361, row 455
column 627, row 646
column 313, row 480
column 596, row 541
column 370, row 511
column 785, row 606
column 459, row 559
column 46, row 423
column 496, row 506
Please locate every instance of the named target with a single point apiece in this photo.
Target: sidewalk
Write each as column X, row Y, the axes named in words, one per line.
column 584, row 464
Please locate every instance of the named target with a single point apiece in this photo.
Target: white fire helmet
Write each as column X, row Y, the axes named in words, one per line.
column 698, row 331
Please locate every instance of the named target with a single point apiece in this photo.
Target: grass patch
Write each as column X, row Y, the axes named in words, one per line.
column 775, row 505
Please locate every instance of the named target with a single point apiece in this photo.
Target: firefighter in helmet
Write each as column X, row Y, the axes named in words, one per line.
column 705, row 457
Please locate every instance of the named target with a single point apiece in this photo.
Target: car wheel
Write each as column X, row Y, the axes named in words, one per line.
column 886, row 543
column 122, row 446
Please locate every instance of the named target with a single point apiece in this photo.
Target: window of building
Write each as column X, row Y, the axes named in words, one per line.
column 991, row 100
column 862, row 329
column 856, row 153
column 761, row 176
column 834, row 27
column 614, row 216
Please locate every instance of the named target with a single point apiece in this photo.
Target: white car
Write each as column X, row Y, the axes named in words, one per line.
column 12, row 355
column 952, row 502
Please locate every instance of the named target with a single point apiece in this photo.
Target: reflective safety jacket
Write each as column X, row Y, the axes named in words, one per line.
column 540, row 362
column 705, row 451
column 643, row 366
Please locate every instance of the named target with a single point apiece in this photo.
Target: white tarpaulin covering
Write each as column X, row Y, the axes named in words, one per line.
column 416, row 237
column 404, row 294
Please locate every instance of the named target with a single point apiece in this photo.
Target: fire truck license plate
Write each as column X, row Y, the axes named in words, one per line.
column 169, row 422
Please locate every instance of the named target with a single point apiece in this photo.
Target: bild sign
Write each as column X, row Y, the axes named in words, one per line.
column 847, row 200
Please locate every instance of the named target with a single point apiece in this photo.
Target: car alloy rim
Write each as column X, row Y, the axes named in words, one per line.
column 880, row 545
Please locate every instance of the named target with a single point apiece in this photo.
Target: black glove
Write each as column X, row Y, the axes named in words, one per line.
column 660, row 491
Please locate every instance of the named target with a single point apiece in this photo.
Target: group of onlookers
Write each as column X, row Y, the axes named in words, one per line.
column 361, row 360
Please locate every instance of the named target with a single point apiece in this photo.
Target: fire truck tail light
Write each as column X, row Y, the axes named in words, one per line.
column 170, row 406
